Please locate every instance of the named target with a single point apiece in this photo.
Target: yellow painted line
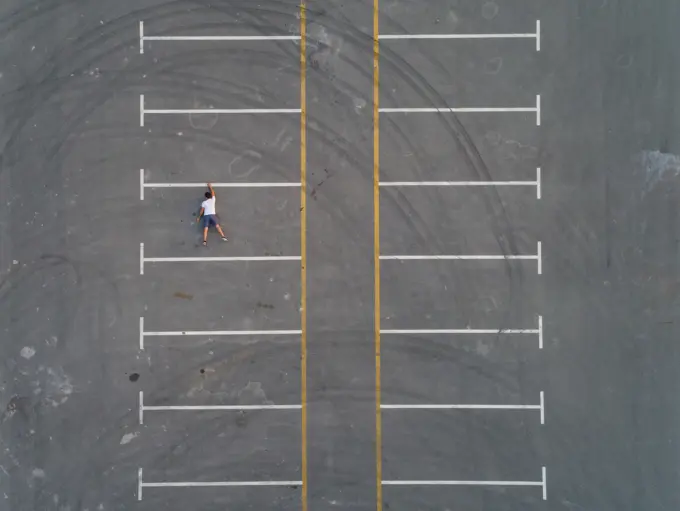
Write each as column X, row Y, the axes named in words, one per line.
column 376, row 253
column 303, row 244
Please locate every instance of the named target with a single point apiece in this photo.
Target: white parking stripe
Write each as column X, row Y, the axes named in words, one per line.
column 462, row 331
column 542, row 483
column 528, row 35
column 219, row 259
column 143, row 111
column 143, row 37
column 225, row 259
column 536, row 183
column 458, row 36
column 208, row 408
column 205, row 484
column 224, row 111
column 212, row 484
column 539, row 407
column 542, row 408
column 445, row 110
column 209, row 333
column 202, row 184
column 170, row 333
column 222, row 38
column 460, row 407
column 222, row 185
column 493, row 257
column 461, row 483
column 545, row 483
column 475, row 331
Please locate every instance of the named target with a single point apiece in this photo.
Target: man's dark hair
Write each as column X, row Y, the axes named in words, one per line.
column 208, row 195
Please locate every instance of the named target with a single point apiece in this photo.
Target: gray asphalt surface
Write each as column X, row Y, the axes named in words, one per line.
column 71, row 222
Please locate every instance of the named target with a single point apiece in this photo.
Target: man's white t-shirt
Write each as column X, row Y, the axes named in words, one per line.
column 208, row 206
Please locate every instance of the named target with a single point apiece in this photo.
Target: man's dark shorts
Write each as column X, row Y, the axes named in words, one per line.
column 209, row 221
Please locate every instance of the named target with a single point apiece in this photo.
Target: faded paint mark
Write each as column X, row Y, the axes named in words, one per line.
column 128, row 437
column 27, row 352
column 202, row 121
column 657, row 166
column 58, row 386
column 489, row 10
column 253, row 393
column 493, row 65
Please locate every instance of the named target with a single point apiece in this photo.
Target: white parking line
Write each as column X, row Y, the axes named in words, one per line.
column 536, row 183
column 477, row 331
column 536, row 257
column 143, row 112
column 143, row 184
column 217, row 259
column 208, row 333
column 446, row 110
column 208, row 408
column 539, row 407
column 528, row 35
column 205, row 484
column 542, row 483
column 143, row 38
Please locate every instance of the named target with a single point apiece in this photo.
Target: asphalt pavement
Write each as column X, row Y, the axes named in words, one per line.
column 528, row 243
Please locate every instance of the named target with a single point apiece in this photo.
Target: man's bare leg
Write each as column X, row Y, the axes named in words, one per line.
column 219, row 229
column 205, row 235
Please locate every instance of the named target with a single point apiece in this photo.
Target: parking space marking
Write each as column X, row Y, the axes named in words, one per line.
column 143, row 185
column 208, row 333
column 478, row 331
column 446, row 110
column 528, row 35
column 542, row 483
column 207, row 408
column 143, row 111
column 540, row 407
column 492, row 257
column 141, row 484
column 143, row 37
column 378, row 258
column 537, row 183
column 208, row 259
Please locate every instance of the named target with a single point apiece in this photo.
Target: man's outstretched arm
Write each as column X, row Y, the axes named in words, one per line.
column 212, row 190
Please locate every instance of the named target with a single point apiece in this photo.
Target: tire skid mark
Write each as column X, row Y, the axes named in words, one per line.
column 30, row 12
column 459, row 135
column 41, row 88
column 473, row 160
column 45, row 91
column 73, row 49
